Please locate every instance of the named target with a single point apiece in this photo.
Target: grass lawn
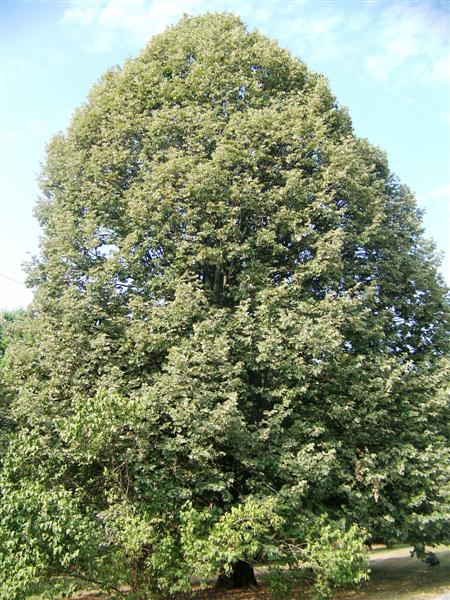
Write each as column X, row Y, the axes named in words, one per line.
column 394, row 576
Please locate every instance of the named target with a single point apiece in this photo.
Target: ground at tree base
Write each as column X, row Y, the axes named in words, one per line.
column 394, row 576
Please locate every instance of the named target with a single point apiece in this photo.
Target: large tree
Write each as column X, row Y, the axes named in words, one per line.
column 237, row 346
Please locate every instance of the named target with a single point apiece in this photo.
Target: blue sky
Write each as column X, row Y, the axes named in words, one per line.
column 387, row 61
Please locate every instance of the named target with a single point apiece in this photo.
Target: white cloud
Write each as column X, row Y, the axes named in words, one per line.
column 16, row 68
column 82, row 14
column 412, row 42
column 440, row 194
column 325, row 30
column 116, row 22
column 323, row 36
column 437, row 201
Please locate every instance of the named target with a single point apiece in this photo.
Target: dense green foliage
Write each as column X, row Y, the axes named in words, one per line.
column 7, row 320
column 237, row 349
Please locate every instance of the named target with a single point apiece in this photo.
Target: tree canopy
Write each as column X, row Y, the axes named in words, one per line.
column 238, row 342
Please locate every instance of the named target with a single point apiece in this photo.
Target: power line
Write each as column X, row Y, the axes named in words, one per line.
column 12, row 279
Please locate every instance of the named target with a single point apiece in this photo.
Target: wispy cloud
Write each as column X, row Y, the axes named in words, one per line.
column 395, row 41
column 437, row 201
column 440, row 194
column 22, row 67
column 115, row 22
column 413, row 42
column 43, row 62
column 323, row 35
column 118, row 23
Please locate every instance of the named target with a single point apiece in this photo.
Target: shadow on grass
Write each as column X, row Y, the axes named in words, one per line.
column 403, row 578
column 394, row 576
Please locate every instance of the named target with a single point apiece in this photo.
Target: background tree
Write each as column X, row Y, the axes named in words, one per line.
column 237, row 328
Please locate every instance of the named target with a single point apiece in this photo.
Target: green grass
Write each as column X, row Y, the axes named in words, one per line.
column 404, row 578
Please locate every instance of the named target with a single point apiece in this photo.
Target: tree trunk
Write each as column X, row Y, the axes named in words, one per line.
column 218, row 285
column 241, row 576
